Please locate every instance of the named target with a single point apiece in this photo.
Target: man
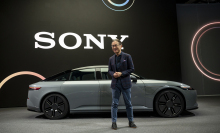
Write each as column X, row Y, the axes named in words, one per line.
column 120, row 67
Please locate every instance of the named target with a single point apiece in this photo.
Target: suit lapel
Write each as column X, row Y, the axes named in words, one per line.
column 122, row 57
column 113, row 58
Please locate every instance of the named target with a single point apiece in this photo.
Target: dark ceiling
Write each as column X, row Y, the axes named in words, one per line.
column 197, row 1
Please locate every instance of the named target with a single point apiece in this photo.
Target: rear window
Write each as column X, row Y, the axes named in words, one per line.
column 63, row 76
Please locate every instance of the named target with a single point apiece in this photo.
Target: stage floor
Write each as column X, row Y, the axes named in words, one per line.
column 202, row 120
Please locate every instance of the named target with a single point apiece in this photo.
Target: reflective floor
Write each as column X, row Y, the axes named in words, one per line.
column 203, row 120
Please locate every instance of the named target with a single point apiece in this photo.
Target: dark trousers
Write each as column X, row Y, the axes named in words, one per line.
column 116, row 93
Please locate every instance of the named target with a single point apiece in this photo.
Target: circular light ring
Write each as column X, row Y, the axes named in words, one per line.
column 194, row 48
column 21, row 73
column 197, row 51
column 118, row 5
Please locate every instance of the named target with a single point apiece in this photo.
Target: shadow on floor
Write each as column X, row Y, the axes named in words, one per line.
column 143, row 114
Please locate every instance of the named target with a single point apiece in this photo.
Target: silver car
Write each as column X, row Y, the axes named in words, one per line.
column 87, row 89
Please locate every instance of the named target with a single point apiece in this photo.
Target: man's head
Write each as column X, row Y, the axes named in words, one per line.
column 116, row 46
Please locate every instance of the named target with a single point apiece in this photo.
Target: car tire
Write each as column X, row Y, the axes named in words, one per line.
column 169, row 103
column 55, row 106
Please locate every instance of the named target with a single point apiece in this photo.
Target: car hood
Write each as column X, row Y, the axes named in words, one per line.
column 153, row 82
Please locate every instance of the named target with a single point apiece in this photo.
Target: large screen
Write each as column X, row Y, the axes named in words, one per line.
column 40, row 38
column 199, row 30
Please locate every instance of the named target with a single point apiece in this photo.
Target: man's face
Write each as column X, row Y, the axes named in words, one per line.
column 116, row 48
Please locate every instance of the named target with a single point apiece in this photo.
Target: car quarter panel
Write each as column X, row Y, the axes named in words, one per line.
column 154, row 86
column 151, row 87
column 36, row 96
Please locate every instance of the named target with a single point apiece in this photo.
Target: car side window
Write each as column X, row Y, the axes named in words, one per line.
column 83, row 74
column 105, row 74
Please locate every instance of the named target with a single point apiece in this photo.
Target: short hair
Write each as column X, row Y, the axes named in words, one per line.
column 117, row 40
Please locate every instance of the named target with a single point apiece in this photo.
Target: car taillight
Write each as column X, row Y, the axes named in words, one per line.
column 34, row 88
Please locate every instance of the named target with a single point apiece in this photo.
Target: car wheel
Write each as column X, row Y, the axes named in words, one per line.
column 169, row 103
column 55, row 106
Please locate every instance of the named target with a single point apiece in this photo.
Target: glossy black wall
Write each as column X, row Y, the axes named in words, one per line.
column 151, row 26
column 191, row 18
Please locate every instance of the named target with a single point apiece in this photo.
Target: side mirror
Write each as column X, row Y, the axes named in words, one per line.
column 134, row 79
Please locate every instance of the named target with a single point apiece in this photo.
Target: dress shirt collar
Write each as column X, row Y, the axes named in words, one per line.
column 119, row 55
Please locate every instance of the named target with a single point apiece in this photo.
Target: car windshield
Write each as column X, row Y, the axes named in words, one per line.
column 138, row 76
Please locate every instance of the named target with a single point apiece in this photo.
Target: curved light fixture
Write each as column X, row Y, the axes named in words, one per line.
column 21, row 73
column 118, row 7
column 194, row 49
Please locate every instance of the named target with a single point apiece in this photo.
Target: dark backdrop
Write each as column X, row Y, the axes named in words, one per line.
column 151, row 26
column 190, row 19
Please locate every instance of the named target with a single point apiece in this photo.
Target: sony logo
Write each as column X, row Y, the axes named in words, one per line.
column 89, row 37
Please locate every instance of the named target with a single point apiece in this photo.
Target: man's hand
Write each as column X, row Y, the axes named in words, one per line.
column 117, row 74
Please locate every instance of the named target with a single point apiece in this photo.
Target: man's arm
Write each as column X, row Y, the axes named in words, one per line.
column 130, row 67
column 110, row 71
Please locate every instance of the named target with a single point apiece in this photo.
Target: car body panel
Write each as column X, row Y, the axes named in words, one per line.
column 82, row 95
column 137, row 97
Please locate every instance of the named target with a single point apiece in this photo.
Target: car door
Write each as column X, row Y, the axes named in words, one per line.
column 82, row 90
column 137, row 93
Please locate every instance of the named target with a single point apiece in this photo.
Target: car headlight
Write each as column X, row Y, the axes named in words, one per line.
column 186, row 87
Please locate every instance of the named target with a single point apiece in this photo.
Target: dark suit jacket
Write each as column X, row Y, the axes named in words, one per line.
column 127, row 67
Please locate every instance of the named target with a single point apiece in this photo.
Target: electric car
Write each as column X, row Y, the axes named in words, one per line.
column 88, row 89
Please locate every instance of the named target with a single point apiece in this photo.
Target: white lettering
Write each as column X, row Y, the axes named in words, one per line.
column 42, row 39
column 122, row 38
column 89, row 37
column 78, row 40
column 92, row 38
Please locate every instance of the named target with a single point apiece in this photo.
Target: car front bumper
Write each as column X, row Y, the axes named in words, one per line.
column 191, row 99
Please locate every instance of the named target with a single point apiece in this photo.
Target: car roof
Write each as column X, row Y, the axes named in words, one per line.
column 86, row 67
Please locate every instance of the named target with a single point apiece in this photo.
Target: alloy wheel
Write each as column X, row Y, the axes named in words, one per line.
column 169, row 104
column 55, row 106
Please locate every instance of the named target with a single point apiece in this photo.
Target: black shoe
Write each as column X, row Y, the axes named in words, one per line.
column 132, row 125
column 114, row 125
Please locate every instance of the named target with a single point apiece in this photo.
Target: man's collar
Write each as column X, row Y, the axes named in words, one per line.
column 120, row 53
